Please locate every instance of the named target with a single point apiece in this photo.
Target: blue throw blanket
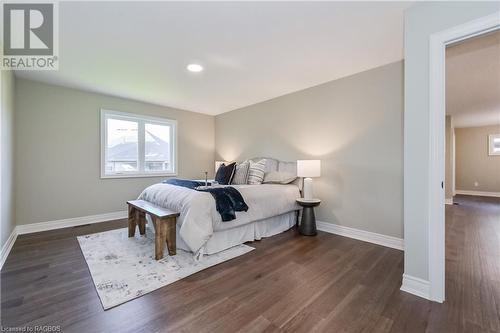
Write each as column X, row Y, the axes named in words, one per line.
column 192, row 184
column 228, row 200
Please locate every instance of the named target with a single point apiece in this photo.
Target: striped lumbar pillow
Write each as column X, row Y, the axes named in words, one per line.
column 241, row 173
column 256, row 172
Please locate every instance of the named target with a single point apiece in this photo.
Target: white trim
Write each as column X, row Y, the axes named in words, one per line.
column 362, row 235
column 479, row 193
column 436, row 230
column 416, row 286
column 57, row 224
column 7, row 247
column 71, row 222
column 448, row 201
column 435, row 224
column 141, row 121
column 366, row 236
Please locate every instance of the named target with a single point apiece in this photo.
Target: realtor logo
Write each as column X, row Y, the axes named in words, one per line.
column 29, row 36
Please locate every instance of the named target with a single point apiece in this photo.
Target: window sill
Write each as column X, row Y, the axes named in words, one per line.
column 139, row 175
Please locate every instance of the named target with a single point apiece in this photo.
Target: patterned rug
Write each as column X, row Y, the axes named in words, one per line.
column 124, row 268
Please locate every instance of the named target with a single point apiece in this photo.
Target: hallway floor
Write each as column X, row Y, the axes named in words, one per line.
column 472, row 267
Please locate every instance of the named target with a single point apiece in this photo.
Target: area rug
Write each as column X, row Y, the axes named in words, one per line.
column 124, row 268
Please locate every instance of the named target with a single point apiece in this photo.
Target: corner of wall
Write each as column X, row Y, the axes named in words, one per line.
column 7, row 219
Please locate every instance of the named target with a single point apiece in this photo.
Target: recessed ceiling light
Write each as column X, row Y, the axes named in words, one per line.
column 194, row 68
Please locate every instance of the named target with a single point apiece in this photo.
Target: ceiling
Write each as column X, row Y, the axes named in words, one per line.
column 473, row 81
column 251, row 51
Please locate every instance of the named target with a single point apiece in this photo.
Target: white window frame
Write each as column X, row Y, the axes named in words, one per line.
column 491, row 150
column 142, row 120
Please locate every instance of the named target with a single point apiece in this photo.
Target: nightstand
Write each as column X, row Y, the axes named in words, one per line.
column 308, row 223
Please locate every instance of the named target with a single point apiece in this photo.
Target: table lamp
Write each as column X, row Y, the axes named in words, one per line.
column 308, row 169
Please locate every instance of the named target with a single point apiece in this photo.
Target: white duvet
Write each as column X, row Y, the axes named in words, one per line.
column 199, row 219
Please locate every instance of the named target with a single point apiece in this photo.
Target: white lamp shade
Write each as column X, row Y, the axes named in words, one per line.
column 308, row 168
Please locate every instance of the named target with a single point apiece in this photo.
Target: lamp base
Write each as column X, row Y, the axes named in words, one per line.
column 308, row 189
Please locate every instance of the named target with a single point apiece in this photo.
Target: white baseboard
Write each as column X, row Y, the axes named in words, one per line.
column 57, row 224
column 416, row 286
column 7, row 247
column 448, row 201
column 479, row 193
column 366, row 236
column 72, row 222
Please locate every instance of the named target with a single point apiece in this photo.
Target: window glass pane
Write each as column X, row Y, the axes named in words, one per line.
column 157, row 148
column 496, row 145
column 122, row 146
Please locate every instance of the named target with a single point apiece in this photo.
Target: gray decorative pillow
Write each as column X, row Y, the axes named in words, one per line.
column 241, row 173
column 256, row 172
column 276, row 177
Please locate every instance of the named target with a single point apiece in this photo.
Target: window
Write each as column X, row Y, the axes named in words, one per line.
column 494, row 144
column 137, row 146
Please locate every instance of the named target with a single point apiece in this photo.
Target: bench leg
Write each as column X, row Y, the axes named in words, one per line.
column 141, row 222
column 160, row 235
column 132, row 221
column 171, row 241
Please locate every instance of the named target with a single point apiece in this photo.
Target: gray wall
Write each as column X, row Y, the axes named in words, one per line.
column 7, row 222
column 353, row 125
column 473, row 162
column 422, row 20
column 449, row 159
column 57, row 152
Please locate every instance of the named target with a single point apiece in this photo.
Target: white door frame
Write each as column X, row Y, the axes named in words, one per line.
column 436, row 231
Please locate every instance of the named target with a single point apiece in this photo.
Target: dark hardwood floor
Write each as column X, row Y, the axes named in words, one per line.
column 290, row 283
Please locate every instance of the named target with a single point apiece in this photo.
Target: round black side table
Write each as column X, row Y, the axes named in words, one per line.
column 308, row 222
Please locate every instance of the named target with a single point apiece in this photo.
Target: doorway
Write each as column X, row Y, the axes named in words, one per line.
column 436, row 231
column 472, row 179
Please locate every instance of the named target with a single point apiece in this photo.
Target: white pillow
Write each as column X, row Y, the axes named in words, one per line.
column 256, row 172
column 276, row 177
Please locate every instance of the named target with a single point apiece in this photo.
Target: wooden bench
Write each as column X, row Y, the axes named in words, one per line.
column 164, row 221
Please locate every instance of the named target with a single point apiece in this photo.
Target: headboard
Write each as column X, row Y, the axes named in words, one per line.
column 273, row 164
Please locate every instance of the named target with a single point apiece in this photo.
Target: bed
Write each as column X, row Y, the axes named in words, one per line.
column 200, row 229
